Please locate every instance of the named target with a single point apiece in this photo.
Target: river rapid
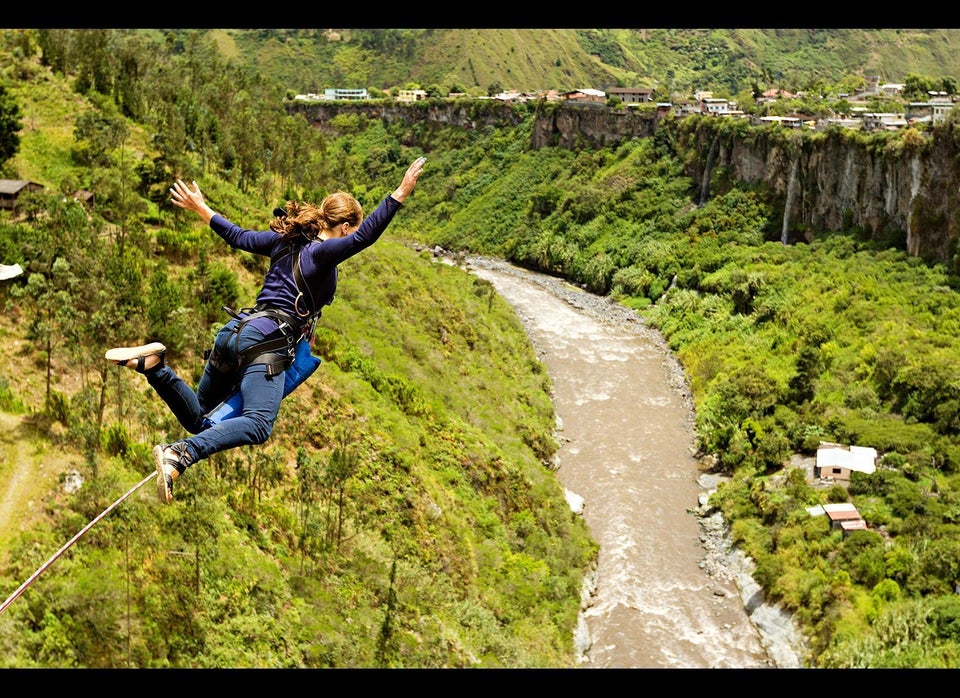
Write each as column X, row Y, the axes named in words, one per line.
column 665, row 593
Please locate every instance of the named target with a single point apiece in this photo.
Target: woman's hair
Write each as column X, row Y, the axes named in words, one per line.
column 307, row 220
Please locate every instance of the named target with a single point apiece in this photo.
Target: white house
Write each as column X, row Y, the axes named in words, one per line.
column 837, row 462
column 714, row 105
column 345, row 93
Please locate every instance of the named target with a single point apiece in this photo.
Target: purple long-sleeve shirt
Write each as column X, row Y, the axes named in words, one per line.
column 318, row 260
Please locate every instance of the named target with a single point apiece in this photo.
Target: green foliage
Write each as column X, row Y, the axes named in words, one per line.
column 220, row 288
column 9, row 401
column 421, row 478
column 945, row 617
column 901, row 636
column 862, row 553
column 116, row 440
column 178, row 246
column 98, row 134
column 10, row 125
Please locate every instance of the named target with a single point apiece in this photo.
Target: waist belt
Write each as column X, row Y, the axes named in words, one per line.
column 277, row 353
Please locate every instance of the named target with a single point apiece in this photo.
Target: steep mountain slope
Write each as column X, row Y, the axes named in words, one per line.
column 529, row 59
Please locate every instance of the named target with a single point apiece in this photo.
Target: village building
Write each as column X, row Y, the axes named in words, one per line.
column 585, row 95
column 345, row 94
column 408, row 96
column 12, row 189
column 85, row 197
column 632, row 95
column 883, row 121
column 713, row 105
column 838, row 462
column 788, row 121
column 843, row 516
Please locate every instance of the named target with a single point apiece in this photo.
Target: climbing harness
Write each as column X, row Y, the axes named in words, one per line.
column 299, row 281
column 276, row 352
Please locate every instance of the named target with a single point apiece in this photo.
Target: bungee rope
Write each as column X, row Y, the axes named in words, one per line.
column 73, row 540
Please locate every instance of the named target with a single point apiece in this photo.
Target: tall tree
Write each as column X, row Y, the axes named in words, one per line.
column 10, row 125
column 98, row 135
column 95, row 52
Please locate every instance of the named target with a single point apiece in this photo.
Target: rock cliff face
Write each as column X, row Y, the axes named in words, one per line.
column 901, row 191
column 590, row 126
column 898, row 190
column 466, row 114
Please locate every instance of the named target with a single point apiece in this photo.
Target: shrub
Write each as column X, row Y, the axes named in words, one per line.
column 115, row 439
column 945, row 618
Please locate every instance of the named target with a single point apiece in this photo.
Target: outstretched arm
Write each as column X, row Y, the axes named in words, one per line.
column 182, row 196
column 337, row 249
column 409, row 180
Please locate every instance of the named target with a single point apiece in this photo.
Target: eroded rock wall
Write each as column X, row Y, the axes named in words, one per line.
column 897, row 190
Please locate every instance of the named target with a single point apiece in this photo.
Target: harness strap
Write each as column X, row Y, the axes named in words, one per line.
column 300, row 282
column 277, row 353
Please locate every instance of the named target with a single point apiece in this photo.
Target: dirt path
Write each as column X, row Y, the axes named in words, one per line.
column 29, row 468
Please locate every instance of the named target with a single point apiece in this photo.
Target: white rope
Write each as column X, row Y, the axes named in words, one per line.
column 73, row 540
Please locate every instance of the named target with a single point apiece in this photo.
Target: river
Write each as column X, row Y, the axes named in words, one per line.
column 625, row 422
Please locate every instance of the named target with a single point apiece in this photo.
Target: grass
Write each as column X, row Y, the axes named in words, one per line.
column 30, row 468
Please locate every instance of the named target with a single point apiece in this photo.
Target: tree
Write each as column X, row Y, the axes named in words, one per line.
column 309, row 493
column 46, row 300
column 10, row 125
column 918, row 87
column 133, row 56
column 342, row 465
column 95, row 52
column 842, row 107
column 245, row 135
column 53, row 312
column 802, row 385
column 98, row 134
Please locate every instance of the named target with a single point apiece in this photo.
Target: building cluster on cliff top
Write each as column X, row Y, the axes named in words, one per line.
column 932, row 111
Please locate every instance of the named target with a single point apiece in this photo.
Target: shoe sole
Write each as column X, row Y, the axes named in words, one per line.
column 124, row 354
column 163, row 492
column 10, row 271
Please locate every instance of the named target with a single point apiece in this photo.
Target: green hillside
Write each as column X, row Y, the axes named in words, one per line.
column 404, row 514
column 681, row 60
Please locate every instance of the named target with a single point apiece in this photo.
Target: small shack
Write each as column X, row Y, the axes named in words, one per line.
column 11, row 189
column 85, row 197
column 843, row 516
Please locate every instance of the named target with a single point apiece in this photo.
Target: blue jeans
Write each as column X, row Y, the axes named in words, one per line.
column 261, row 397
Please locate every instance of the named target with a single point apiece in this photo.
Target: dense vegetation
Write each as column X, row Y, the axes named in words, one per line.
column 731, row 62
column 843, row 339
column 785, row 346
column 404, row 513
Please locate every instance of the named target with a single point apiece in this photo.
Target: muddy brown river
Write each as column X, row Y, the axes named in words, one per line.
column 626, row 428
